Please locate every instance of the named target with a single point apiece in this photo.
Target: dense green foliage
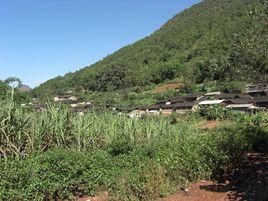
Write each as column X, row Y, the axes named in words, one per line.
column 13, row 84
column 3, row 88
column 215, row 40
column 57, row 154
column 214, row 112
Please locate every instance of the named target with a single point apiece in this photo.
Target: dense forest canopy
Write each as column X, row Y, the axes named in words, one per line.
column 215, row 40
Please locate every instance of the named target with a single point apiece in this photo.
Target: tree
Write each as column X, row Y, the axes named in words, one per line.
column 13, row 82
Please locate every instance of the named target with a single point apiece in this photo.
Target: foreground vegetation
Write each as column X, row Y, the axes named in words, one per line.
column 59, row 155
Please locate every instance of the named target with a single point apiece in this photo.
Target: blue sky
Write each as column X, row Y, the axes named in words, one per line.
column 40, row 39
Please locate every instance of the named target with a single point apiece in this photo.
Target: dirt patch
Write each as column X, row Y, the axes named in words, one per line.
column 101, row 197
column 166, row 87
column 247, row 182
column 209, row 124
column 196, row 193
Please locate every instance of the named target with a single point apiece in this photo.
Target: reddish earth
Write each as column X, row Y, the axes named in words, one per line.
column 101, row 197
column 249, row 182
column 197, row 193
column 165, row 87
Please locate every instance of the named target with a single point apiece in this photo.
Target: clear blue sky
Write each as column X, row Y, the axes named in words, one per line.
column 40, row 39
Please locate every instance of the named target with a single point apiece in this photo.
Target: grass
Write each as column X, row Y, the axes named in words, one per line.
column 59, row 155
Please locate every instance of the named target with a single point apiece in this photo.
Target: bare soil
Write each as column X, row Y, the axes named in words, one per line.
column 196, row 193
column 249, row 182
column 209, row 124
column 101, row 197
column 166, row 87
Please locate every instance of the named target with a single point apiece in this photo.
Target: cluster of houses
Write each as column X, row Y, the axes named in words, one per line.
column 75, row 105
column 255, row 98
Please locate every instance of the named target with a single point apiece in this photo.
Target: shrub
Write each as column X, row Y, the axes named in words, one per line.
column 214, row 112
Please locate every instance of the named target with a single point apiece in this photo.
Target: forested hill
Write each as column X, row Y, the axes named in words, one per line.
column 214, row 40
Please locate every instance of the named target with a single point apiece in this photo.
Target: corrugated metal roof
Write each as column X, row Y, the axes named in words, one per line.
column 211, row 102
column 239, row 106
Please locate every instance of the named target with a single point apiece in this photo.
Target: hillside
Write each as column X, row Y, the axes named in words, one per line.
column 24, row 88
column 215, row 40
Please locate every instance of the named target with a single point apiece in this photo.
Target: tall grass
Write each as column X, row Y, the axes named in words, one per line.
column 24, row 131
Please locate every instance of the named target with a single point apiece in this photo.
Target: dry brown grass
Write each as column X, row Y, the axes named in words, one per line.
column 166, row 87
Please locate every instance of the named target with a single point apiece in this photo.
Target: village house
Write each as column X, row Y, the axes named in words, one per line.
column 82, row 108
column 126, row 109
column 72, row 103
column 229, row 96
column 153, row 110
column 177, row 99
column 212, row 102
column 256, row 86
column 169, row 101
column 257, row 90
column 191, row 102
column 193, row 97
column 134, row 112
column 184, row 107
column 241, row 107
column 179, row 107
column 64, row 97
column 212, row 95
column 167, row 109
column 163, row 102
column 60, row 98
column 237, row 104
column 261, row 101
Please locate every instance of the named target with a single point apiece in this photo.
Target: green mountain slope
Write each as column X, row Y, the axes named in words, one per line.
column 220, row 40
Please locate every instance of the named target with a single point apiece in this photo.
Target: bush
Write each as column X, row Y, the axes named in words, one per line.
column 214, row 112
column 56, row 174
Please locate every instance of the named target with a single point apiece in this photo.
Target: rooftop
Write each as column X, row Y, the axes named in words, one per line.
column 239, row 101
column 261, row 99
column 211, row 102
column 239, row 106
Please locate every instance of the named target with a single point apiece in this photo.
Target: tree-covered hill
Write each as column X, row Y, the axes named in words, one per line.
column 215, row 40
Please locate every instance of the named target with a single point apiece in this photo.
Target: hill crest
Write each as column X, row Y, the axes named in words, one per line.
column 215, row 40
